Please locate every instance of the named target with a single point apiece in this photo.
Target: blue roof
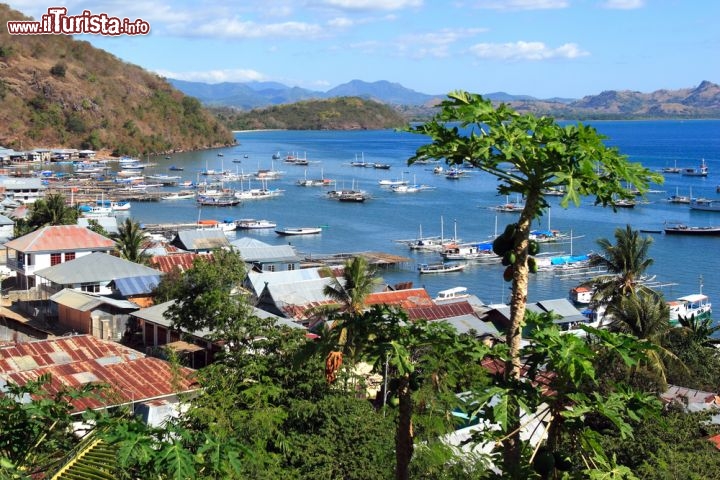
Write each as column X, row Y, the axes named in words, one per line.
column 137, row 285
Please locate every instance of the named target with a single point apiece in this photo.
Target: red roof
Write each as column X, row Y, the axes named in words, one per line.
column 439, row 312
column 59, row 238
column 409, row 298
column 182, row 261
column 80, row 359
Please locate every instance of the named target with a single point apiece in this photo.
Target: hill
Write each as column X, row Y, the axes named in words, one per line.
column 59, row 92
column 702, row 101
column 340, row 113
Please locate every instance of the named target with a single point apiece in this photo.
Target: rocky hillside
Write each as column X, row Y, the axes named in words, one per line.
column 60, row 92
column 340, row 113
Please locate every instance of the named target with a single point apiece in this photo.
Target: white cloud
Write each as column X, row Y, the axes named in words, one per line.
column 624, row 4
column 435, row 44
column 215, row 76
column 341, row 22
column 526, row 51
column 234, row 28
column 522, row 4
column 373, row 4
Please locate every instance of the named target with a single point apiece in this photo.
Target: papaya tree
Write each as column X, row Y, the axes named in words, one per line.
column 528, row 155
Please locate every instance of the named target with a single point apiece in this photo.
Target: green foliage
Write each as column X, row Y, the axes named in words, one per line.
column 94, row 225
column 58, row 70
column 341, row 113
column 131, row 242
column 51, row 210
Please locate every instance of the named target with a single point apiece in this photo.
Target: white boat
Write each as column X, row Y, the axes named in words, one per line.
column 581, row 295
column 89, row 211
column 165, row 180
column 252, row 224
column 701, row 171
column 677, row 198
column 181, row 195
column 508, row 206
column 705, row 204
column 479, row 252
column 455, row 293
column 696, row 305
column 298, row 231
column 120, row 206
column 426, row 268
column 258, row 193
column 392, row 183
column 432, row 244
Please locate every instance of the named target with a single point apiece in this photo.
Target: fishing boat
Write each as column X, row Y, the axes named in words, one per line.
column 455, row 293
column 381, row 166
column 252, row 224
column 225, row 226
column 165, row 180
column 181, row 195
column 674, row 169
column 677, row 198
column 700, row 171
column 314, row 182
column 624, row 203
column 427, row 268
column 510, row 207
column 361, row 162
column 705, row 204
column 175, row 168
column 221, row 201
column 259, row 193
column 682, row 229
column 478, row 252
column 120, row 206
column 298, row 231
column 696, row 305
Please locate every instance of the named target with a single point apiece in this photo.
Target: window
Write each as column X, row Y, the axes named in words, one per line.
column 69, row 256
column 55, row 258
column 90, row 287
column 270, row 268
column 291, row 266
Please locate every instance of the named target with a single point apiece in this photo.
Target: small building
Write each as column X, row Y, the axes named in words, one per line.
column 49, row 246
column 264, row 257
column 7, row 228
column 24, row 190
column 101, row 274
column 132, row 379
column 201, row 241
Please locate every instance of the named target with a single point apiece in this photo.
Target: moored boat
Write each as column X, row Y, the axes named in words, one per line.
column 682, row 229
column 252, row 224
column 181, row 195
column 701, row 171
column 298, row 230
column 455, row 293
column 223, row 201
column 705, row 204
column 426, row 268
column 696, row 305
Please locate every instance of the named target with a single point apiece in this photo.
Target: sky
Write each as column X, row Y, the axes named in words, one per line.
column 543, row 48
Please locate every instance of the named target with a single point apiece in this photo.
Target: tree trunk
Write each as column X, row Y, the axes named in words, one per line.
column 518, row 300
column 404, row 434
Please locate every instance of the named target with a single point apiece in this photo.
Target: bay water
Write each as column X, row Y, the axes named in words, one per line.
column 462, row 208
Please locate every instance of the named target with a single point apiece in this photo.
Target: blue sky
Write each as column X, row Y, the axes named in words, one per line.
column 544, row 48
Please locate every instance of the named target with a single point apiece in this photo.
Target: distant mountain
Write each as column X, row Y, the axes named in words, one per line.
column 699, row 102
column 59, row 92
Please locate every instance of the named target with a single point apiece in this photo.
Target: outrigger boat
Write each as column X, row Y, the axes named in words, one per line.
column 424, row 268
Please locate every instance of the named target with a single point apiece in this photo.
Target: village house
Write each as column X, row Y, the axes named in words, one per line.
column 22, row 190
column 49, row 246
column 151, row 387
column 200, row 241
column 7, row 228
column 262, row 256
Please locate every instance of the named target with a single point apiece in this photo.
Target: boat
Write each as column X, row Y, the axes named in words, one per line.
column 624, row 203
column 94, row 211
column 252, row 224
column 510, row 207
column 455, row 173
column 674, row 169
column 677, row 198
column 411, row 188
column 120, row 206
column 478, row 252
column 427, row 268
column 259, row 193
column 225, row 226
column 221, row 201
column 392, row 183
column 455, row 293
column 581, row 295
column 276, row 156
column 361, row 162
column 175, row 168
column 381, row 166
column 682, row 229
column 298, row 230
column 165, row 180
column 696, row 305
column 181, row 195
column 700, row 171
column 705, row 204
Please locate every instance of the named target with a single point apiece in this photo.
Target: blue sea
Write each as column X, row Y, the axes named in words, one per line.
column 458, row 207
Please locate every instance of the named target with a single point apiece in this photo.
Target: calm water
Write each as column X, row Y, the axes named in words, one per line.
column 459, row 205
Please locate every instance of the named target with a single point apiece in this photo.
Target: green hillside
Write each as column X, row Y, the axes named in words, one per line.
column 339, row 113
column 59, row 92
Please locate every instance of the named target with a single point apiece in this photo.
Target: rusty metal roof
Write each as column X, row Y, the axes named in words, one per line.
column 440, row 312
column 61, row 238
column 76, row 360
column 413, row 297
column 182, row 261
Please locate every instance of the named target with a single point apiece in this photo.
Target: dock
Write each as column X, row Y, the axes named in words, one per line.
column 377, row 259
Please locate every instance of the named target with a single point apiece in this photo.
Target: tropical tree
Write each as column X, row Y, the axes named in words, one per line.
column 528, row 154
column 646, row 316
column 131, row 242
column 51, row 210
column 626, row 261
column 358, row 281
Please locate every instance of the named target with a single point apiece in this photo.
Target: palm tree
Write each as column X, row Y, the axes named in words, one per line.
column 358, row 281
column 52, row 210
column 645, row 315
column 130, row 242
column 626, row 261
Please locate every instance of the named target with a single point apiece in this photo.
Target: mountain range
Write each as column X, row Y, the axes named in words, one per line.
column 702, row 101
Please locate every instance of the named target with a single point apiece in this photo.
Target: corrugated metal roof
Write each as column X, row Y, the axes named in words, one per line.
column 466, row 323
column 248, row 242
column 270, row 253
column 5, row 220
column 84, row 302
column 93, row 268
column 182, row 261
column 413, row 297
column 440, row 312
column 202, row 239
column 108, row 223
column 132, row 376
column 61, row 238
column 258, row 279
column 561, row 306
column 137, row 285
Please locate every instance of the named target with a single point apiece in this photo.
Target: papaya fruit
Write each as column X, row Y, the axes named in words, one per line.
column 508, row 273
column 508, row 258
column 532, row 265
column 544, row 462
column 533, row 247
column 501, row 245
